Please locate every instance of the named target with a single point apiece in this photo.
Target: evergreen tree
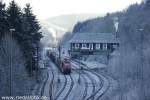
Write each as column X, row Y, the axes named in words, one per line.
column 31, row 25
column 3, row 19
column 31, row 29
column 97, row 25
column 15, row 19
column 108, row 24
column 147, row 4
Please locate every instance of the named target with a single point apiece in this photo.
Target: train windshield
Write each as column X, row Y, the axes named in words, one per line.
column 66, row 61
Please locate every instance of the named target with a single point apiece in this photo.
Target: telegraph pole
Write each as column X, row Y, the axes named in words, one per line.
column 59, row 50
column 79, row 80
column 142, row 65
column 37, row 61
column 11, row 32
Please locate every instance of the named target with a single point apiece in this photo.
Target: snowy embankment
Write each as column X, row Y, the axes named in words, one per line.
column 94, row 64
column 95, row 61
column 89, row 64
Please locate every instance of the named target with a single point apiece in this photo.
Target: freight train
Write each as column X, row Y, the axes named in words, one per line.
column 62, row 63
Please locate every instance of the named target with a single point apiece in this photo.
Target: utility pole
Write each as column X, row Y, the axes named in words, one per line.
column 11, row 32
column 142, row 65
column 37, row 60
column 79, row 79
column 59, row 50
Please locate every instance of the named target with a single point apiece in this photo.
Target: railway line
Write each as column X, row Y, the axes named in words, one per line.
column 70, row 89
column 105, row 83
column 105, row 88
column 96, row 92
column 85, row 91
column 61, row 89
column 89, row 84
column 66, row 90
column 47, row 87
column 89, row 78
column 84, row 94
column 43, row 86
column 100, row 91
column 51, row 85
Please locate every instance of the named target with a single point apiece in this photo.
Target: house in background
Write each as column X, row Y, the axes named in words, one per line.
column 93, row 43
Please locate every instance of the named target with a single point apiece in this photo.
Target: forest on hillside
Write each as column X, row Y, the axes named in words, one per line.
column 132, row 68
column 97, row 25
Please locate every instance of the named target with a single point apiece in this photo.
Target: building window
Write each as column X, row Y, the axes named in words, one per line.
column 77, row 46
column 84, row 46
column 115, row 46
column 104, row 46
column 91, row 46
column 98, row 46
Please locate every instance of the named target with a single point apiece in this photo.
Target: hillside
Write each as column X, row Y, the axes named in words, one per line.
column 56, row 27
column 96, row 25
column 68, row 21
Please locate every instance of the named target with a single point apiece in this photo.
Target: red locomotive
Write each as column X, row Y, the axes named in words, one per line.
column 63, row 64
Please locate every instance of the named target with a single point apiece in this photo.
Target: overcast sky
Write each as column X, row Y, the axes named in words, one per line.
column 49, row 8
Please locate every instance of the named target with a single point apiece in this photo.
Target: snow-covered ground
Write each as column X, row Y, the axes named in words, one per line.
column 91, row 64
column 94, row 64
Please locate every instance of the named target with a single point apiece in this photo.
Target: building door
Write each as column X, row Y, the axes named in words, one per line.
column 91, row 46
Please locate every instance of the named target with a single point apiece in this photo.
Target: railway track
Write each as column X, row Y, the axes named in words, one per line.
column 85, row 91
column 43, row 87
column 84, row 94
column 97, row 94
column 48, row 83
column 87, row 78
column 70, row 89
column 92, row 81
column 66, row 90
column 61, row 90
column 51, row 85
column 92, row 97
column 104, row 92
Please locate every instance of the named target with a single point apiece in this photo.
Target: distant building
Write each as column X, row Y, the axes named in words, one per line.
column 93, row 43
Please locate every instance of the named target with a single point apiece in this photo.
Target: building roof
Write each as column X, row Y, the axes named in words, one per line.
column 94, row 38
